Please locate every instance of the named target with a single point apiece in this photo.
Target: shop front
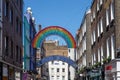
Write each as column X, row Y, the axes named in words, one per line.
column 96, row 74
column 17, row 75
column 11, row 73
column 5, row 72
column 112, row 70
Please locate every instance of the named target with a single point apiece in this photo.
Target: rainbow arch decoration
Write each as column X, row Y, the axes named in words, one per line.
column 53, row 30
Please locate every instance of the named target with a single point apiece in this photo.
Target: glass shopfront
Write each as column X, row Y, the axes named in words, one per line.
column 11, row 73
column 5, row 72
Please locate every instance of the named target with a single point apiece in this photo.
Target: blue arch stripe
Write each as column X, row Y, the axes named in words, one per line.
column 56, row 57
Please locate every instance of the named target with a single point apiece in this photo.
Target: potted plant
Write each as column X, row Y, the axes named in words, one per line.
column 109, row 59
column 104, row 61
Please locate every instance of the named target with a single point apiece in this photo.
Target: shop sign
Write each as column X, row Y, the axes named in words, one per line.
column 26, row 76
column 110, row 68
column 17, row 75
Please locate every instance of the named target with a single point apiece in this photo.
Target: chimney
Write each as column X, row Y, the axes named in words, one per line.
column 39, row 27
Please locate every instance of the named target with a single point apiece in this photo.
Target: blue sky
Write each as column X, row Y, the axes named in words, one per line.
column 65, row 13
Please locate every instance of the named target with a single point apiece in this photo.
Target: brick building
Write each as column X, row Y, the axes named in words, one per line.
column 11, row 21
column 83, row 51
column 54, row 70
column 105, row 40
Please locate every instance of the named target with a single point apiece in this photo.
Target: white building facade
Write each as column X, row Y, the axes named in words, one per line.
column 58, row 70
column 71, row 55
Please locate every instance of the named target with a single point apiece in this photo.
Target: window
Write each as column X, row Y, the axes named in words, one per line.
column 21, row 5
column 58, row 77
column 107, row 17
column 84, row 60
column 63, row 69
column 94, row 36
column 63, row 63
column 57, row 69
column 91, row 39
column 11, row 16
column 98, row 55
column 52, row 62
column 101, row 2
column 21, row 29
column 6, row 7
column 91, row 18
column 52, row 77
column 94, row 58
column 108, row 47
column 6, row 45
column 69, row 50
column 17, row 24
column 12, row 49
column 98, row 6
column 112, row 46
column 112, row 10
column 17, row 52
column 63, row 77
column 98, row 30
column 93, row 14
column 52, row 70
column 101, row 25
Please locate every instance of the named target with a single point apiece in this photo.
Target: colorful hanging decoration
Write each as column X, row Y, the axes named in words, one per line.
column 53, row 30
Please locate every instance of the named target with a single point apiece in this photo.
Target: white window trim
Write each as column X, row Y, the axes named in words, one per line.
column 91, row 39
column 98, row 55
column 84, row 60
column 93, row 14
column 112, row 10
column 101, row 2
column 107, row 43
column 101, row 24
column 94, row 35
column 98, row 5
column 107, row 17
column 98, row 29
column 112, row 47
column 91, row 18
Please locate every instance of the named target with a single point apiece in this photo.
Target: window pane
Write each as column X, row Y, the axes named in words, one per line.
column 107, row 17
column 98, row 29
column 112, row 47
column 112, row 10
column 57, row 69
column 101, row 24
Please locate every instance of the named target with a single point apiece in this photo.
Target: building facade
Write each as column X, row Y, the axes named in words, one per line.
column 11, row 13
column 29, row 52
column 55, row 70
column 105, row 38
column 83, row 50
